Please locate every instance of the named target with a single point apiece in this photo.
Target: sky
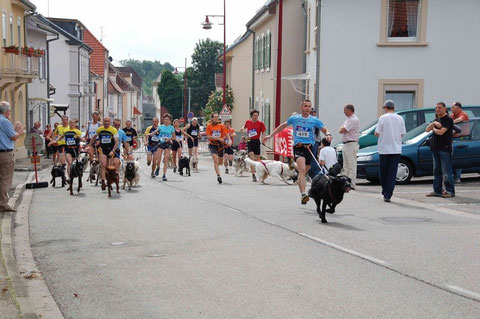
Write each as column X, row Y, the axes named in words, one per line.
column 164, row 30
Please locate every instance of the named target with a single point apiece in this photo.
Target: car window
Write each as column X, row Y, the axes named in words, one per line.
column 429, row 116
column 410, row 120
column 369, row 126
column 472, row 111
column 465, row 133
column 411, row 136
column 476, row 131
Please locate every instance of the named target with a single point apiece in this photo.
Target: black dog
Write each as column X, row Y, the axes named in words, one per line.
column 184, row 162
column 329, row 189
column 58, row 171
column 76, row 170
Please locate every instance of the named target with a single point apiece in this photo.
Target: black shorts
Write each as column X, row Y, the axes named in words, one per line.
column 216, row 149
column 105, row 150
column 60, row 148
column 176, row 145
column 303, row 151
column 228, row 150
column 54, row 148
column 165, row 145
column 72, row 151
column 193, row 143
column 254, row 146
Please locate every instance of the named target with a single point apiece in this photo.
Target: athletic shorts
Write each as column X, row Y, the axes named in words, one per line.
column 152, row 148
column 303, row 151
column 193, row 143
column 54, row 148
column 72, row 151
column 105, row 150
column 60, row 148
column 216, row 149
column 229, row 150
column 165, row 145
column 176, row 145
column 254, row 146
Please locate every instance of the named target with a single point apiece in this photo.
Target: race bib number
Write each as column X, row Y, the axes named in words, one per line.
column 164, row 137
column 70, row 141
column 106, row 140
column 129, row 138
column 216, row 134
column 252, row 133
column 179, row 138
column 302, row 131
column 194, row 133
column 155, row 138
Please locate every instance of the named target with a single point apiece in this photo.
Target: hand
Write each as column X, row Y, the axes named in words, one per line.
column 110, row 154
column 221, row 140
column 266, row 138
column 437, row 124
column 19, row 128
column 191, row 138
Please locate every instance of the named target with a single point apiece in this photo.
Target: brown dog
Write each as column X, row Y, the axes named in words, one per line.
column 112, row 177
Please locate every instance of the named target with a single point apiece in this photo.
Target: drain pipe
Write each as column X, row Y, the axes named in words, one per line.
column 317, row 66
column 252, row 106
column 305, row 36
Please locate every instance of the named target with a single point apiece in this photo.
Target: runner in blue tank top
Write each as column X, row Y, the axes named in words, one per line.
column 303, row 139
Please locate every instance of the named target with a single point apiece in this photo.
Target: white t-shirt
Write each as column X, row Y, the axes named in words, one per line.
column 391, row 128
column 329, row 155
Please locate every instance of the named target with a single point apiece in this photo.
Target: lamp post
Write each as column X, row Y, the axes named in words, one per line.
column 207, row 25
column 184, row 112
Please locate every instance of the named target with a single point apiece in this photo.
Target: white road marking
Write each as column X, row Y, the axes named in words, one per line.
column 346, row 250
column 464, row 292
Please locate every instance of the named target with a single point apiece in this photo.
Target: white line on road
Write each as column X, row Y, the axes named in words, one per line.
column 345, row 250
column 464, row 292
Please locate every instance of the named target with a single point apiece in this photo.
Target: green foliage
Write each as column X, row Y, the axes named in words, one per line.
column 215, row 102
column 147, row 70
column 201, row 76
column 170, row 92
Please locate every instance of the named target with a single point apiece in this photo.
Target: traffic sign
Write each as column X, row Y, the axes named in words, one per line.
column 190, row 115
column 225, row 110
column 31, row 140
column 181, row 120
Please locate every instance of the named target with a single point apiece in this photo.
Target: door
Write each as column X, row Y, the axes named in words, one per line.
column 425, row 159
column 460, row 144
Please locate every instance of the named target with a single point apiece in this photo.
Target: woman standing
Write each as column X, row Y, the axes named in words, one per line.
column 177, row 146
column 48, row 139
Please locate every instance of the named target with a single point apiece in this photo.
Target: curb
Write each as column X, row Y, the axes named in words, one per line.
column 30, row 290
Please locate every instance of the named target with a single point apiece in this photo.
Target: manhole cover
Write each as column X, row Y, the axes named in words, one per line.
column 406, row 219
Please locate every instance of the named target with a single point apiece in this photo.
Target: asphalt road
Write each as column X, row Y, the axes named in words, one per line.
column 191, row 248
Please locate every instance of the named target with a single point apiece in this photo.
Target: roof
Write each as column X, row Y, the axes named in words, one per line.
column 113, row 88
column 238, row 41
column 28, row 5
column 98, row 56
column 71, row 39
column 136, row 79
column 122, row 83
column 262, row 10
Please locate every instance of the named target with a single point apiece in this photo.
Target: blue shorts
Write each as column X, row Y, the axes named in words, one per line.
column 152, row 148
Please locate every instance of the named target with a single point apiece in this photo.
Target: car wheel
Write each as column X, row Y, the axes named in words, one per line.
column 404, row 172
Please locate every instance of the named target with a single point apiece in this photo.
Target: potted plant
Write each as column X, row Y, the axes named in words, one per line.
column 12, row 49
column 28, row 51
column 38, row 52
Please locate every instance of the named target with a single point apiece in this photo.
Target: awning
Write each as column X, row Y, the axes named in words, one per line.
column 136, row 111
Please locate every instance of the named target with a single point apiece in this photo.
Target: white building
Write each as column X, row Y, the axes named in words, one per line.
column 416, row 52
column 38, row 35
column 70, row 70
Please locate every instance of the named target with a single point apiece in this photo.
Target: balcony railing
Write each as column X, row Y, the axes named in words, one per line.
column 19, row 65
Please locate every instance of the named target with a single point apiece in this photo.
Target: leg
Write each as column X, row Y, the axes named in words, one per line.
column 437, row 173
column 392, row 174
column 447, row 175
column 383, row 172
column 166, row 159
column 349, row 153
column 103, row 164
column 314, row 169
column 69, row 164
column 302, row 172
column 215, row 164
column 7, row 165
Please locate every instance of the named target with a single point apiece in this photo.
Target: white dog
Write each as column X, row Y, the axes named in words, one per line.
column 194, row 163
column 272, row 168
column 239, row 162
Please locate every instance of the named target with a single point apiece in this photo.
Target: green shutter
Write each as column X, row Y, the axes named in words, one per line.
column 269, row 37
column 255, row 46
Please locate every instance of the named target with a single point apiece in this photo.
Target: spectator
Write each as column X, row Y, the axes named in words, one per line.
column 9, row 133
column 242, row 146
column 350, row 131
column 458, row 116
column 441, row 147
column 48, row 139
column 36, row 128
column 390, row 129
column 328, row 156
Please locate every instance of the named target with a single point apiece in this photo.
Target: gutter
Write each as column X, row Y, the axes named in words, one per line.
column 79, row 83
column 305, row 25
column 253, row 71
column 317, row 71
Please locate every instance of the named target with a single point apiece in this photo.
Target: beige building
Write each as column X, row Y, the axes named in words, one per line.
column 16, row 68
column 239, row 77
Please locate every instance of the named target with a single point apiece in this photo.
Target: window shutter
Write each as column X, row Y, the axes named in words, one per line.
column 269, row 44
column 255, row 48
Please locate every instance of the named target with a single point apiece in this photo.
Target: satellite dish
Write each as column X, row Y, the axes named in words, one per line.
column 110, row 59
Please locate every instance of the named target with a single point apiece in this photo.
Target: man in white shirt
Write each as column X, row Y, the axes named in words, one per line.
column 328, row 156
column 350, row 131
column 390, row 129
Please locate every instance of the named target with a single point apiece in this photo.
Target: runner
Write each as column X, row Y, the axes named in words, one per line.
column 255, row 130
column 177, row 146
column 131, row 133
column 166, row 134
column 192, row 131
column 216, row 134
column 152, row 141
column 92, row 128
column 123, row 141
column 227, row 161
column 108, row 137
column 71, row 138
column 303, row 139
column 60, row 130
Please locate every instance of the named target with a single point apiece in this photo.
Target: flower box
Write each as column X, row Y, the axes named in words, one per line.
column 12, row 49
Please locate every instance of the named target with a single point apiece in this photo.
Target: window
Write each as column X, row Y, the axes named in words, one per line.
column 268, row 55
column 19, row 31
column 260, row 52
column 403, row 22
column 255, row 48
column 11, row 30
column 41, row 67
column 407, row 94
column 4, row 28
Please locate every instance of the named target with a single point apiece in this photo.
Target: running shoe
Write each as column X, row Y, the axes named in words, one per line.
column 254, row 178
column 164, row 178
column 305, row 198
column 175, row 169
column 152, row 175
column 219, row 179
column 433, row 194
column 226, row 170
column 104, row 186
column 157, row 171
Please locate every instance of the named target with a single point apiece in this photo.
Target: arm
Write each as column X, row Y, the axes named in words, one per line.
column 439, row 131
column 92, row 140
column 342, row 130
column 325, row 132
column 17, row 132
column 280, row 128
column 460, row 119
column 115, row 146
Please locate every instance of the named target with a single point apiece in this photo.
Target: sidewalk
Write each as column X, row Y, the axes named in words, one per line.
column 24, row 164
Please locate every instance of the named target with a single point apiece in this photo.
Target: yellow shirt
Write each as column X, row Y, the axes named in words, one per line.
column 72, row 137
column 60, row 130
column 107, row 135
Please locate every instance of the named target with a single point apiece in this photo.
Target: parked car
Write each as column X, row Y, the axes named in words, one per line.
column 416, row 159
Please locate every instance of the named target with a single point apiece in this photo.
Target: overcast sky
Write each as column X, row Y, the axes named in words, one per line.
column 164, row 30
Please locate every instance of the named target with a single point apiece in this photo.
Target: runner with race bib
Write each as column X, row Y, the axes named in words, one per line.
column 303, row 139
column 255, row 130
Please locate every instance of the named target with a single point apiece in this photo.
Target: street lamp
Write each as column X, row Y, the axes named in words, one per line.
column 207, row 25
column 184, row 87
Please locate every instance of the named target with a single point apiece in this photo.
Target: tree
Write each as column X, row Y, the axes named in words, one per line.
column 147, row 70
column 215, row 102
column 170, row 92
column 201, row 76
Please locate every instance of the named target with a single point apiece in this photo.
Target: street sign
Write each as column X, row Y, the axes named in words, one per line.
column 31, row 140
column 181, row 120
column 225, row 113
column 190, row 115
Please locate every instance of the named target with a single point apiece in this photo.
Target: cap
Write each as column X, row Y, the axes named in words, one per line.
column 389, row 103
column 194, row 119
